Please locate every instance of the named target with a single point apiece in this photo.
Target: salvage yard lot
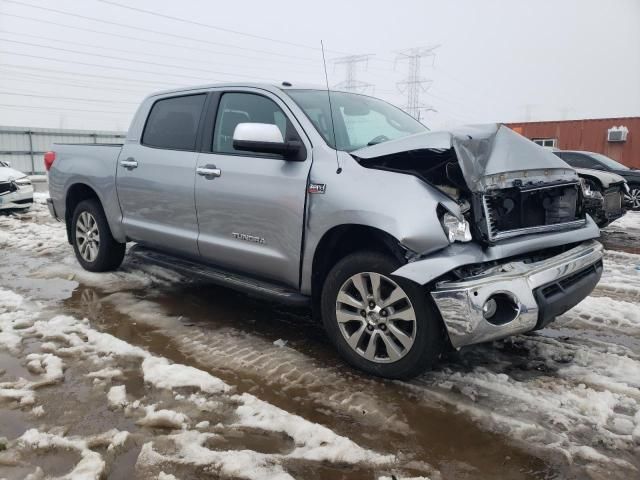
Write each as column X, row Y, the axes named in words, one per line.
column 144, row 374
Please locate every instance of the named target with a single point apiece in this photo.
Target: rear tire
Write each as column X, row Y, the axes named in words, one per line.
column 93, row 244
column 393, row 333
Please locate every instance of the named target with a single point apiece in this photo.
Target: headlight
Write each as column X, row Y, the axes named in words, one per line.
column 588, row 192
column 456, row 230
column 22, row 182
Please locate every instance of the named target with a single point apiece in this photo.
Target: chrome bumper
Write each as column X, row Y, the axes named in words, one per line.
column 527, row 285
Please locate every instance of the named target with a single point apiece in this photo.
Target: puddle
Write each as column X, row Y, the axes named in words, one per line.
column 55, row 463
column 257, row 440
column 124, row 465
column 216, row 316
column 13, row 423
column 12, row 369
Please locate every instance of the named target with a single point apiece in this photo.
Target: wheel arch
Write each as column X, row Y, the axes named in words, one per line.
column 77, row 193
column 340, row 241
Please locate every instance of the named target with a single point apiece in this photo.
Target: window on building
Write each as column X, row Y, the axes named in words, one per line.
column 546, row 142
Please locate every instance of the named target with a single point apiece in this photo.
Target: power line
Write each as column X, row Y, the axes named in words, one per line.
column 414, row 83
column 149, row 30
column 111, row 57
column 48, row 79
column 56, row 97
column 213, row 27
column 75, row 74
column 107, row 66
column 351, row 83
column 146, row 40
column 39, row 107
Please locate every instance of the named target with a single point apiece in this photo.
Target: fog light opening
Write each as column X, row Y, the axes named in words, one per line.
column 500, row 309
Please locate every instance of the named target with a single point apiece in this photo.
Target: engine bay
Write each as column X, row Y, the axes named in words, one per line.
column 526, row 205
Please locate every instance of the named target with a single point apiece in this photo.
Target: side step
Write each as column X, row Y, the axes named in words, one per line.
column 250, row 286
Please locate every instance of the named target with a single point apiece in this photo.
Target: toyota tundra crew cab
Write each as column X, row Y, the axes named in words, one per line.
column 403, row 241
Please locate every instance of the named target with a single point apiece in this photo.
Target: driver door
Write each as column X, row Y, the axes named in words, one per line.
column 250, row 205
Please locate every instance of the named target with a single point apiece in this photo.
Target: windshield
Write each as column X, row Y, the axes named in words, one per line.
column 359, row 120
column 608, row 162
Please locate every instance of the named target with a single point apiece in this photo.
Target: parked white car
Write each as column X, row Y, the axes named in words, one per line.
column 16, row 191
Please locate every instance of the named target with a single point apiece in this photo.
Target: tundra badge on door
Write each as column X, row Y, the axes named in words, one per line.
column 248, row 238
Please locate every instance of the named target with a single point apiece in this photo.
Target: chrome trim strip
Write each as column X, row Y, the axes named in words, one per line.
column 460, row 303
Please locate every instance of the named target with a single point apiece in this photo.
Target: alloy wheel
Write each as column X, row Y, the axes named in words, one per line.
column 376, row 317
column 634, row 198
column 87, row 237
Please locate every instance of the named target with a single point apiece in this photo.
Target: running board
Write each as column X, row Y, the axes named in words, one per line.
column 250, row 286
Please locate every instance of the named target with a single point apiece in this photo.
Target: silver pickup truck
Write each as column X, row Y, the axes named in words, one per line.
column 403, row 241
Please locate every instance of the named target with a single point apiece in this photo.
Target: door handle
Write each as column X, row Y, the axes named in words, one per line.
column 209, row 171
column 130, row 163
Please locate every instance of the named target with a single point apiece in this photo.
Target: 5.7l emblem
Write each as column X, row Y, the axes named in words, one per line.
column 317, row 187
column 248, row 238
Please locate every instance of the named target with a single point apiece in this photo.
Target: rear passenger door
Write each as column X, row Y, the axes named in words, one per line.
column 155, row 177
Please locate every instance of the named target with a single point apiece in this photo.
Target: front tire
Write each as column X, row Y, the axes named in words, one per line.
column 381, row 324
column 93, row 244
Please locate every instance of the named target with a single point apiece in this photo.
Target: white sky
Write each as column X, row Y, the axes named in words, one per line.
column 498, row 60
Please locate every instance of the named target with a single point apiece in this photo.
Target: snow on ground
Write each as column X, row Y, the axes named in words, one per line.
column 628, row 223
column 75, row 340
column 569, row 393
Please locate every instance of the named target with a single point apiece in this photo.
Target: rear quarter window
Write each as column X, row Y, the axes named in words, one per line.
column 173, row 123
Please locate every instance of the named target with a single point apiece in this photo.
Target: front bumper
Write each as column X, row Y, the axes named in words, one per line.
column 21, row 198
column 535, row 294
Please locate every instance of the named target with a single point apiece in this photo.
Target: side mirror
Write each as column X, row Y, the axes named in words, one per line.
column 264, row 138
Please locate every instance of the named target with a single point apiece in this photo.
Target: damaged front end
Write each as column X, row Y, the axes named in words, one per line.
column 506, row 185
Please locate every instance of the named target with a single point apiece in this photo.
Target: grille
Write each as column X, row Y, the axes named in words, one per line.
column 518, row 211
column 6, row 187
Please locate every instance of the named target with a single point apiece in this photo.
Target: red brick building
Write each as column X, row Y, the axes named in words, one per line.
column 590, row 135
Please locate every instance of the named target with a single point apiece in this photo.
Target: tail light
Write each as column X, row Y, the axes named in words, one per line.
column 49, row 158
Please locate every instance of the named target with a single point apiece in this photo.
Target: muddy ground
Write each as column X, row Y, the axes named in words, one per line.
column 145, row 374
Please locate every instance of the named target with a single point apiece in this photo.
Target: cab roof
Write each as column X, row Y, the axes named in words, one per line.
column 284, row 86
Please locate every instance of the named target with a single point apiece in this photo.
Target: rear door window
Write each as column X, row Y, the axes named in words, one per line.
column 173, row 123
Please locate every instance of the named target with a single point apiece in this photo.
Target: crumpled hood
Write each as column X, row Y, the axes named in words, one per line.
column 483, row 151
column 8, row 173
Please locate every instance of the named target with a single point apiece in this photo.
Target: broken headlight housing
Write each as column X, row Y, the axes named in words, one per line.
column 456, row 230
column 22, row 182
column 588, row 192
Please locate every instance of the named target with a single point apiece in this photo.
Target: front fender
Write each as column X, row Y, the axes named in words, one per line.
column 460, row 254
column 400, row 205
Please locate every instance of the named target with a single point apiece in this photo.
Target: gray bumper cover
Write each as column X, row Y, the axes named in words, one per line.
column 460, row 303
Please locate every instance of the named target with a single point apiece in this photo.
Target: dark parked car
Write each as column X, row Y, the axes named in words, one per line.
column 597, row 161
